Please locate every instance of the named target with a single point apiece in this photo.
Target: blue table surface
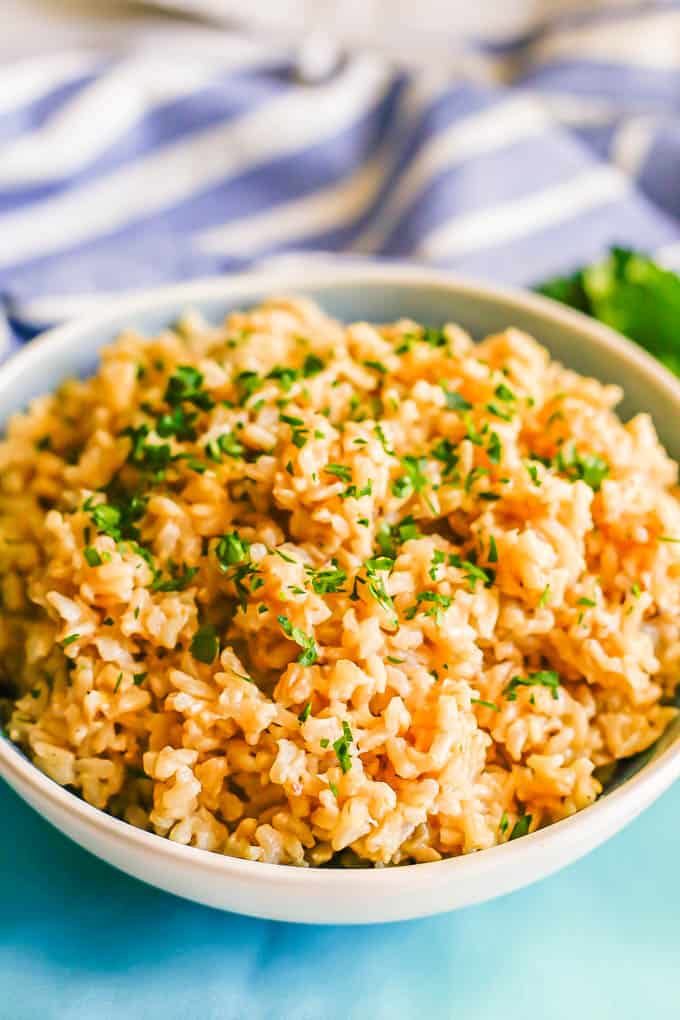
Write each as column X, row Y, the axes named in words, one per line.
column 80, row 940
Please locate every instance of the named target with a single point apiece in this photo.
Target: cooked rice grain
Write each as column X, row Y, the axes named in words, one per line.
column 295, row 591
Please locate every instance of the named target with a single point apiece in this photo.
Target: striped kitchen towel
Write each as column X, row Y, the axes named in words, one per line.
column 126, row 168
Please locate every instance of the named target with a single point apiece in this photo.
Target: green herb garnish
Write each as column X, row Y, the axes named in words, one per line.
column 521, row 827
column 494, row 449
column 186, row 386
column 339, row 471
column 328, row 581
column 631, row 293
column 455, row 401
column 92, row 556
column 231, row 549
column 378, row 429
column 179, row 579
column 309, row 653
column 434, row 601
column 204, row 644
column 587, row 467
column 177, row 423
column 485, row 704
column 312, row 366
column 341, row 747
column 542, row 678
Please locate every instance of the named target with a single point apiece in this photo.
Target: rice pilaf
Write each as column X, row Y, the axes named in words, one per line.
column 297, row 591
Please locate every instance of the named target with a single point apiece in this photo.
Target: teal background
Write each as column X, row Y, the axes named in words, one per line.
column 599, row 940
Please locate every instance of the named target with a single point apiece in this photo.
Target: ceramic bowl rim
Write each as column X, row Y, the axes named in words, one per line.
column 602, row 816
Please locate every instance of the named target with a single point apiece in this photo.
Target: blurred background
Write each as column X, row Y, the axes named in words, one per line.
column 142, row 143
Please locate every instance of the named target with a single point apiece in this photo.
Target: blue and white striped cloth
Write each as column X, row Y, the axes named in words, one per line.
column 121, row 170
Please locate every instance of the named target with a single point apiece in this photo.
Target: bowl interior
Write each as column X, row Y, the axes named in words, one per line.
column 569, row 337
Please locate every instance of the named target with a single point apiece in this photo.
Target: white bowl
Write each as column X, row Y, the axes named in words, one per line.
column 326, row 895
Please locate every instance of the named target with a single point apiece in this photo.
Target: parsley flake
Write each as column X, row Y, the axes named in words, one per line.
column 309, row 653
column 542, row 678
column 185, row 386
column 521, row 827
column 204, row 644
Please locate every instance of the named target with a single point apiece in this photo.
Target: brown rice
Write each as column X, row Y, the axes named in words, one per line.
column 295, row 591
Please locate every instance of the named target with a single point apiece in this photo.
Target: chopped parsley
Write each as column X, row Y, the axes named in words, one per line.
column 231, row 549
column 533, row 473
column 504, row 393
column 377, row 366
column 504, row 823
column 445, row 452
column 473, row 476
column 380, row 433
column 226, row 443
column 285, row 376
column 186, row 386
column 354, row 492
column 545, row 597
column 340, row 471
column 328, row 581
column 521, row 827
column 179, row 579
column 177, row 423
column 436, row 603
column 204, row 644
column 414, row 479
column 247, row 383
column 305, row 713
column 455, row 401
column 498, row 412
column 300, row 434
column 312, row 366
column 438, row 557
column 472, row 433
column 586, row 602
column 118, row 520
column 493, row 550
column 473, row 572
column 376, row 584
column 388, row 537
column 494, row 449
column 92, row 556
column 243, row 572
column 309, row 653
column 542, row 678
column 152, row 457
column 434, row 336
column 139, row 678
column 485, row 704
column 69, row 640
column 341, row 747
column 587, row 467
